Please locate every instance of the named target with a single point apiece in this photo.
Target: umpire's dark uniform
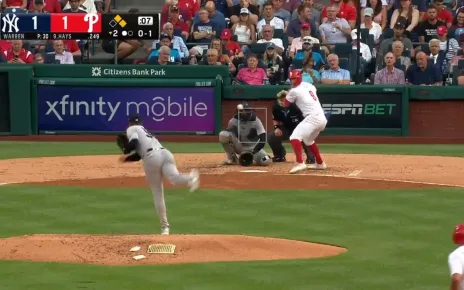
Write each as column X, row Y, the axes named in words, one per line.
column 289, row 118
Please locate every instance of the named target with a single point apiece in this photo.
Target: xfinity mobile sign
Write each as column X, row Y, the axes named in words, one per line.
column 363, row 110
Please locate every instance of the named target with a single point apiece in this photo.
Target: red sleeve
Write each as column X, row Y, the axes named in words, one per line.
column 29, row 57
column 324, row 13
column 424, row 17
column 31, row 5
column 351, row 14
column 238, row 48
column 164, row 14
column 57, row 6
column 449, row 17
column 184, row 27
column 192, row 8
column 72, row 46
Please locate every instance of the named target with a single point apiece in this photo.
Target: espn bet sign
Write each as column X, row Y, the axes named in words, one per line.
column 359, row 109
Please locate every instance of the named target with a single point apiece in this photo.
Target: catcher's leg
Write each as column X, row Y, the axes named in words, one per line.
column 262, row 158
column 310, row 159
column 278, row 150
column 231, row 146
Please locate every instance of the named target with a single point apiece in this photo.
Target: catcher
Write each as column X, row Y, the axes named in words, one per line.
column 244, row 139
column 285, row 120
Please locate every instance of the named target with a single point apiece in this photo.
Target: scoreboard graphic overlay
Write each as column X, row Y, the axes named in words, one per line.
column 29, row 26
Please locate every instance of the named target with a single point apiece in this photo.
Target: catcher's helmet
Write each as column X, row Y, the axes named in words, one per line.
column 244, row 112
column 295, row 77
column 458, row 234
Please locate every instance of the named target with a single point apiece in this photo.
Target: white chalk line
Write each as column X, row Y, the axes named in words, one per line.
column 379, row 179
column 3, row 184
column 355, row 173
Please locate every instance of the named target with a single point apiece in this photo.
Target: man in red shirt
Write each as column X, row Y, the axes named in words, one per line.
column 5, row 45
column 174, row 19
column 17, row 54
column 51, row 6
column 344, row 11
column 443, row 14
column 189, row 6
column 14, row 3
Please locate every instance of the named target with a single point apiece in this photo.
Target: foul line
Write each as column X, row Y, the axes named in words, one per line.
column 381, row 179
column 355, row 173
column 3, row 184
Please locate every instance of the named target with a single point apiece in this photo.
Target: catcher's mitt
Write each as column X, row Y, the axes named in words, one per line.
column 122, row 142
column 245, row 159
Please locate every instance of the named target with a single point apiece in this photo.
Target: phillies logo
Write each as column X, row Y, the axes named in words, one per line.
column 92, row 19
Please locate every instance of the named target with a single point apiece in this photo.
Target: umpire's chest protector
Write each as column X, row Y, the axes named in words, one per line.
column 291, row 117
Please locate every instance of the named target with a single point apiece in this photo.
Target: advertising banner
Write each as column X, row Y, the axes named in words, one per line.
column 362, row 110
column 94, row 109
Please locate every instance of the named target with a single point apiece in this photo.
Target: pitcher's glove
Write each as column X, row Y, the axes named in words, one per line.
column 245, row 159
column 123, row 142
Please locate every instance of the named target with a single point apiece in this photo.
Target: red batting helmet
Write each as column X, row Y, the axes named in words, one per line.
column 458, row 234
column 295, row 77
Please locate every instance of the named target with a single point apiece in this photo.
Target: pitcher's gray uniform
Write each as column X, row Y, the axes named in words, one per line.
column 245, row 132
column 158, row 162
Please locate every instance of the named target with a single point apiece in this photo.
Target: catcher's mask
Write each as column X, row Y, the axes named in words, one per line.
column 244, row 112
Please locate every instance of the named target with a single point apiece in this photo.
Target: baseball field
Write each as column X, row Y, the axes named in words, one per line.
column 380, row 217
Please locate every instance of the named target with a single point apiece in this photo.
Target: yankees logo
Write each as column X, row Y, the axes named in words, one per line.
column 12, row 23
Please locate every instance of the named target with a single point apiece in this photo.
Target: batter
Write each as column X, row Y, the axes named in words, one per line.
column 157, row 162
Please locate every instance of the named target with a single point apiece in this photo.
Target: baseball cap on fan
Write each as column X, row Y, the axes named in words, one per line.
column 401, row 23
column 368, row 11
column 39, row 2
column 244, row 11
column 442, row 30
column 226, row 34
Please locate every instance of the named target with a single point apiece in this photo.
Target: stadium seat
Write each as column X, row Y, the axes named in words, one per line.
column 343, row 50
column 344, row 63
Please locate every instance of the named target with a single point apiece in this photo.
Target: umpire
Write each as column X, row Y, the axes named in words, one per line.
column 285, row 120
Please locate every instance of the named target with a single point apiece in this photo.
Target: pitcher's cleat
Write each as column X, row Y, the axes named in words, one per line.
column 165, row 230
column 194, row 183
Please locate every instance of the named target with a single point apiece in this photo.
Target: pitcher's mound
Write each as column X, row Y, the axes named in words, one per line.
column 115, row 250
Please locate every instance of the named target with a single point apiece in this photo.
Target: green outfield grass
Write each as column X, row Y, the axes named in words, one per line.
column 396, row 240
column 38, row 149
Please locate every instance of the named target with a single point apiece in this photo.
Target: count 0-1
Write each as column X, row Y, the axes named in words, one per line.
column 145, row 20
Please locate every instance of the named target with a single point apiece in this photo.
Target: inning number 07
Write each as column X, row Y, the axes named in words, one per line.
column 311, row 93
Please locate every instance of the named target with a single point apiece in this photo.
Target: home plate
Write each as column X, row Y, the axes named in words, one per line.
column 253, row 171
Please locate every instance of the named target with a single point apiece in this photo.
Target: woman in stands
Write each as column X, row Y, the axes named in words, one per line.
column 245, row 32
column 458, row 23
column 273, row 63
column 407, row 11
column 310, row 74
column 380, row 13
column 223, row 58
column 374, row 28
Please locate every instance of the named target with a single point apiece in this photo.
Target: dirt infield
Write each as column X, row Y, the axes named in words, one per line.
column 115, row 250
column 345, row 172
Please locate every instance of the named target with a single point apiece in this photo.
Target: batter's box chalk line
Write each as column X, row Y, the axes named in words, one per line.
column 379, row 179
column 249, row 171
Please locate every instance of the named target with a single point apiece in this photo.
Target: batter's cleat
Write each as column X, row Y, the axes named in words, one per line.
column 194, row 183
column 316, row 166
column 278, row 159
column 297, row 168
column 165, row 230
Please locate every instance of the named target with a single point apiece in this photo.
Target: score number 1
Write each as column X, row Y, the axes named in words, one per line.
column 65, row 22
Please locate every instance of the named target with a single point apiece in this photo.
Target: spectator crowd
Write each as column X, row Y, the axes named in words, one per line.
column 415, row 42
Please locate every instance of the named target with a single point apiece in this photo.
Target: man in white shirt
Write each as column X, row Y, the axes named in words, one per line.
column 157, row 162
column 363, row 48
column 456, row 259
column 269, row 18
column 268, row 36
